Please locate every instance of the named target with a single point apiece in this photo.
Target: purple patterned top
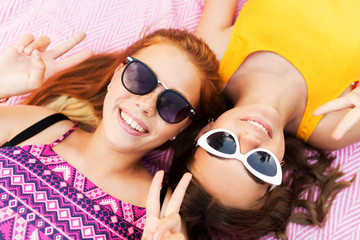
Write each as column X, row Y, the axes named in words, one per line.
column 44, row 197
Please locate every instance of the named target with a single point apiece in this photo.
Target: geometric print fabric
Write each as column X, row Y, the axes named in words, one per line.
column 39, row 201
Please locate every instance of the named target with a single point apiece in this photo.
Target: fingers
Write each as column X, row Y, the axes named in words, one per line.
column 170, row 226
column 41, row 43
column 350, row 100
column 27, row 44
column 37, row 72
column 178, row 195
column 75, row 59
column 350, row 119
column 153, row 205
column 171, row 223
column 25, row 40
column 66, row 45
column 334, row 105
column 153, row 200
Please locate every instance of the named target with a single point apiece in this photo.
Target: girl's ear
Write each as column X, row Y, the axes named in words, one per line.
column 118, row 68
column 204, row 130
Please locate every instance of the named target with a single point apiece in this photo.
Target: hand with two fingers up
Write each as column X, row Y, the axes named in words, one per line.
column 350, row 101
column 168, row 227
column 27, row 64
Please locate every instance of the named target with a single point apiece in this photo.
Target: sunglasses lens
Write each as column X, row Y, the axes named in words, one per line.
column 138, row 79
column 172, row 107
column 222, row 142
column 263, row 162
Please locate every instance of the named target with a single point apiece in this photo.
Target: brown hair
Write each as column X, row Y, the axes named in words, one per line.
column 206, row 218
column 79, row 91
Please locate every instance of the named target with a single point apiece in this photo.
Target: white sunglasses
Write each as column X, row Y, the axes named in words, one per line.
column 261, row 162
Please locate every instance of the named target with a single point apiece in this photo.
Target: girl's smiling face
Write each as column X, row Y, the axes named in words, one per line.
column 131, row 122
column 227, row 180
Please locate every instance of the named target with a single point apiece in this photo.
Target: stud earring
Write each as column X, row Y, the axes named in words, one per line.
column 109, row 86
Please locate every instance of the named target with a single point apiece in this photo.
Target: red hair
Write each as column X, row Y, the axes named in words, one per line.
column 85, row 85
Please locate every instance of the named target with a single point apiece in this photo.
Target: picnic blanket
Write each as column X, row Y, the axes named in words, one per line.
column 114, row 24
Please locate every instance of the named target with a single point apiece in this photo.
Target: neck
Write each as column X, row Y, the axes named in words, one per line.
column 120, row 174
column 106, row 160
column 283, row 92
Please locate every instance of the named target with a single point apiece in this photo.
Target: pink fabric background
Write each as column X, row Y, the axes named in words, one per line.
column 114, row 24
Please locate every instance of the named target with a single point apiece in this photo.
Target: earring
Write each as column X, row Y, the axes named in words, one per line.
column 282, row 162
column 109, row 86
column 173, row 138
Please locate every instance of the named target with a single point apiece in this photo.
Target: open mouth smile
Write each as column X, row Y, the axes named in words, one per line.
column 131, row 123
column 262, row 127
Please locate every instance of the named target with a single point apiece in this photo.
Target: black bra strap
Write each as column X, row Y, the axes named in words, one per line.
column 35, row 129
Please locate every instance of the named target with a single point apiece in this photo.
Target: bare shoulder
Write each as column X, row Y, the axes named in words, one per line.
column 23, row 114
column 14, row 119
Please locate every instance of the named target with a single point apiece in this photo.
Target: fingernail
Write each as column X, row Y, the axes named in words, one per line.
column 28, row 50
column 337, row 136
column 21, row 49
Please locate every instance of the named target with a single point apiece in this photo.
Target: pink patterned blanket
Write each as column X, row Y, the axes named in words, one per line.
column 114, row 24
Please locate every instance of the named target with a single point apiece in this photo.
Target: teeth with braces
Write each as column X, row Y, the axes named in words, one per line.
column 131, row 123
column 259, row 126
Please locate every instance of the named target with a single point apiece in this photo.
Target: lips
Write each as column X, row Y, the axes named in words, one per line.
column 262, row 126
column 132, row 123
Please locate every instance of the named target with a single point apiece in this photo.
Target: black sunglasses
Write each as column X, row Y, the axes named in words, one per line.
column 260, row 162
column 139, row 79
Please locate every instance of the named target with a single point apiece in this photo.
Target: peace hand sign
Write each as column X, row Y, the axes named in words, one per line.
column 27, row 64
column 169, row 227
column 350, row 100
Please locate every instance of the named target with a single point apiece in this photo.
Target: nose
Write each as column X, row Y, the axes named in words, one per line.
column 147, row 103
column 248, row 141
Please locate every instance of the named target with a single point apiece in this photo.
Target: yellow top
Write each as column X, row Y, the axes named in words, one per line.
column 320, row 38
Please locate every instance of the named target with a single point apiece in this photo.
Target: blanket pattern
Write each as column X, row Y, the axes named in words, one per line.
column 113, row 25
